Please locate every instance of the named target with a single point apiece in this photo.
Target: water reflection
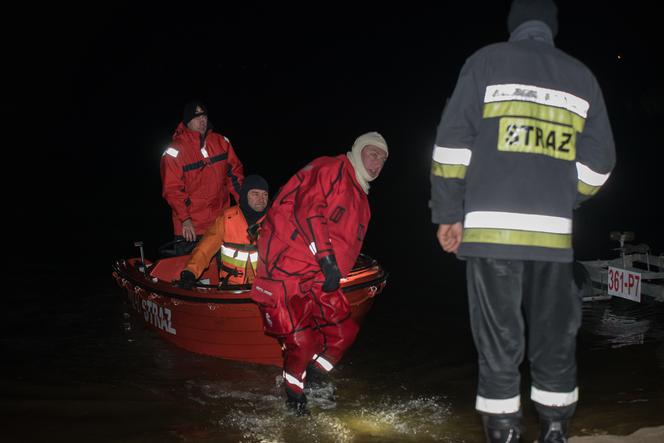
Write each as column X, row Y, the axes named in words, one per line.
column 617, row 323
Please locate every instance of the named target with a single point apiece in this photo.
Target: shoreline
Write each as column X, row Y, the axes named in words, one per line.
column 644, row 435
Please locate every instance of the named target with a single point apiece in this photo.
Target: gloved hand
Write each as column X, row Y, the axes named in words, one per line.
column 187, row 280
column 328, row 265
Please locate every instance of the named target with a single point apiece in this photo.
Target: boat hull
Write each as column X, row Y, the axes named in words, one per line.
column 224, row 322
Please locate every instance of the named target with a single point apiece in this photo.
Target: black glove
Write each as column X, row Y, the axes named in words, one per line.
column 187, row 279
column 328, row 265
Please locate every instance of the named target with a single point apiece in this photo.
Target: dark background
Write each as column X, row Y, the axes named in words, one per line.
column 94, row 92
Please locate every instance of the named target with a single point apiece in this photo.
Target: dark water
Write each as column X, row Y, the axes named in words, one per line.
column 76, row 366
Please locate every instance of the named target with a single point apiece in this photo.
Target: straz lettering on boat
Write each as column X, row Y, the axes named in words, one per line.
column 158, row 316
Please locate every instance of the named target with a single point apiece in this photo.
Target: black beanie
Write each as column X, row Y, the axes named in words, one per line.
column 190, row 111
column 524, row 10
column 252, row 182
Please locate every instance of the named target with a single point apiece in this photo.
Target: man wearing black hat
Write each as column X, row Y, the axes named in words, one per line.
column 233, row 236
column 523, row 140
column 199, row 172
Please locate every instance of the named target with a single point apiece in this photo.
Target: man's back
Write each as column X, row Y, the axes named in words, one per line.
column 532, row 116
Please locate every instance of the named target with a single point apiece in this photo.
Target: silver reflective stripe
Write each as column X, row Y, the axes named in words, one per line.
column 232, row 253
column 204, row 152
column 253, row 257
column 515, row 220
column 498, row 406
column 228, row 252
column 535, row 94
column 292, row 380
column 555, row 399
column 589, row 176
column 172, row 152
column 323, row 362
column 312, row 248
column 452, row 156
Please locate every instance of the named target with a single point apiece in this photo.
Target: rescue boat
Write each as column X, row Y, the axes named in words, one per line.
column 221, row 320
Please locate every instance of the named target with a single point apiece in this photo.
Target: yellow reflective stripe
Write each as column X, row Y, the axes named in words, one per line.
column 517, row 238
column 234, row 261
column 448, row 171
column 586, row 189
column 534, row 110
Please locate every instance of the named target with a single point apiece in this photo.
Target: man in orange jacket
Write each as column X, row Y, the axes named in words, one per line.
column 231, row 236
column 310, row 239
column 199, row 172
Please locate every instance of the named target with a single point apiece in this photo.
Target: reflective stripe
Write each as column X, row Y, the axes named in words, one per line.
column 543, row 96
column 323, row 362
column 555, row 399
column 253, row 257
column 292, row 380
column 498, row 406
column 172, row 152
column 204, row 152
column 452, row 156
column 312, row 248
column 230, row 252
column 590, row 177
column 518, row 221
column 517, row 238
column 448, row 171
column 551, row 114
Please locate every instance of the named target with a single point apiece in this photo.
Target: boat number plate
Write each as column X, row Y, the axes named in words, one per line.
column 624, row 283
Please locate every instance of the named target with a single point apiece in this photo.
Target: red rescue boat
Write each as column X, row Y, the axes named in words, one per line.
column 221, row 320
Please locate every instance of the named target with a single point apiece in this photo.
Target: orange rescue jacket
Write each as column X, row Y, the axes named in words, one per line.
column 227, row 236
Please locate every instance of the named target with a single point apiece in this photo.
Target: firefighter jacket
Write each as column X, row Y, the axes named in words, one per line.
column 523, row 140
column 321, row 210
column 197, row 175
column 228, row 237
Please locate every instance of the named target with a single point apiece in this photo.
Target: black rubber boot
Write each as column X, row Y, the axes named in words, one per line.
column 553, row 431
column 296, row 403
column 501, row 428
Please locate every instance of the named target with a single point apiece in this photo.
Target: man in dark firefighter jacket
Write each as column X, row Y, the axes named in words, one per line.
column 310, row 239
column 199, row 172
column 524, row 139
column 231, row 237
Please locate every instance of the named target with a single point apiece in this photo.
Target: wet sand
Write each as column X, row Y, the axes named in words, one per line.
column 643, row 435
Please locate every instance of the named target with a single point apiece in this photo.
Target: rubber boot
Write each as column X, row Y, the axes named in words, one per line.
column 501, row 428
column 553, row 431
column 297, row 403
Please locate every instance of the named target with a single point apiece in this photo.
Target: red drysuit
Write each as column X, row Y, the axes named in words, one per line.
column 322, row 210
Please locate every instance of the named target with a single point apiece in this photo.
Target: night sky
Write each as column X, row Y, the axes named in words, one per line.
column 93, row 95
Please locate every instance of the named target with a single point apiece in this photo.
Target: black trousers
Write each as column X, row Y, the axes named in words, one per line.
column 514, row 302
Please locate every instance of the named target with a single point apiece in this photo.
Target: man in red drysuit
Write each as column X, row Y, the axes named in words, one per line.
column 309, row 240
column 198, row 171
